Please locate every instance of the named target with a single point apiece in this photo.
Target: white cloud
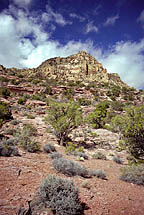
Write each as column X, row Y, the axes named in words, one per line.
column 15, row 33
column 111, row 20
column 141, row 18
column 126, row 59
column 75, row 16
column 90, row 27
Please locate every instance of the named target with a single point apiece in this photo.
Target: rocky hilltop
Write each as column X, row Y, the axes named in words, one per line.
column 78, row 67
column 81, row 67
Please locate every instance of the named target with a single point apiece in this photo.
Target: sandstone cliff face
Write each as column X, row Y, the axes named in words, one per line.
column 78, row 67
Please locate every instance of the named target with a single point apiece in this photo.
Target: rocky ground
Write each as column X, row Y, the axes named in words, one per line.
column 21, row 176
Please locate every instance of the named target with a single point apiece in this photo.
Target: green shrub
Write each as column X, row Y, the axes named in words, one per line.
column 117, row 105
column 55, row 155
column 97, row 118
column 64, row 117
column 115, row 91
column 21, row 101
column 15, row 82
column 117, row 159
column 80, row 149
column 133, row 174
column 39, row 96
column 7, row 148
column 70, row 147
column 31, row 146
column 30, row 116
column 36, row 81
column 68, row 93
column 49, row 148
column 60, row 195
column 84, row 102
column 98, row 173
column 124, row 90
column 26, row 138
column 86, row 185
column 110, row 115
column 29, row 129
column 5, row 112
column 4, row 92
column 131, row 127
column 81, row 154
column 130, row 97
column 48, row 90
column 99, row 155
column 69, row 167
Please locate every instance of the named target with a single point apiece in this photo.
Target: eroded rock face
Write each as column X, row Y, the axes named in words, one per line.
column 80, row 66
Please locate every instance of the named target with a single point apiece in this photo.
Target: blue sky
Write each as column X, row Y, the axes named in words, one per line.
column 32, row 31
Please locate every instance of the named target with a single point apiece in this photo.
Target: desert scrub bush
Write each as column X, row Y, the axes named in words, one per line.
column 15, row 82
column 68, row 93
column 4, row 92
column 26, row 138
column 117, row 106
column 85, row 184
column 110, row 115
column 81, row 154
column 117, row 159
column 99, row 155
column 70, row 168
column 98, row 173
column 30, row 146
column 84, row 102
column 70, row 148
column 131, row 127
column 94, row 134
column 97, row 118
column 7, row 148
column 21, row 101
column 115, row 91
column 5, row 112
column 49, row 148
column 64, row 117
column 39, row 96
column 48, row 90
column 133, row 174
column 60, row 195
column 55, row 155
column 30, row 129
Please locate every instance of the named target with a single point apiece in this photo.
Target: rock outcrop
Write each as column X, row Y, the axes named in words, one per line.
column 78, row 67
column 81, row 67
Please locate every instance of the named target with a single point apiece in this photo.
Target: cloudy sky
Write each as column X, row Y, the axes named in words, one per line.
column 32, row 31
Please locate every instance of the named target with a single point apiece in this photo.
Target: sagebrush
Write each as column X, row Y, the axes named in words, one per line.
column 61, row 196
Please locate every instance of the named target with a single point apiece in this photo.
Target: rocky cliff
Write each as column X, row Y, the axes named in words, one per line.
column 78, row 67
column 81, row 66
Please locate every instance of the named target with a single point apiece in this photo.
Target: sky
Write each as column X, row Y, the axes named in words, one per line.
column 32, row 31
